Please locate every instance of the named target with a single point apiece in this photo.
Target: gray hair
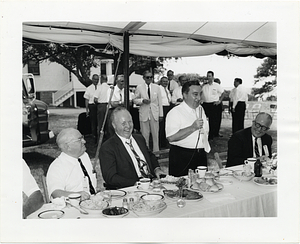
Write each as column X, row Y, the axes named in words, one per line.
column 65, row 136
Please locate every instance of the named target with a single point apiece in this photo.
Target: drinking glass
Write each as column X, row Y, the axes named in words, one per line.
column 107, row 196
column 181, row 202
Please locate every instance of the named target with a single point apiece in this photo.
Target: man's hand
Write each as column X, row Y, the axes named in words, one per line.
column 158, row 172
column 146, row 101
column 87, row 113
column 217, row 102
column 198, row 124
column 84, row 195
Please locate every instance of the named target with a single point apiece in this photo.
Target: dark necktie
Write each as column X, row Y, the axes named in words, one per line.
column 149, row 91
column 167, row 94
column 92, row 190
column 256, row 148
column 141, row 163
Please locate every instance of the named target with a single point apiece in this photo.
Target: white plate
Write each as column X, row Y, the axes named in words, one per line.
column 105, row 212
column 190, row 200
column 51, row 214
column 116, row 194
column 261, row 182
column 197, row 189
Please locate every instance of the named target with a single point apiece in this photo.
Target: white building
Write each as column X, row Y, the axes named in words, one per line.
column 56, row 86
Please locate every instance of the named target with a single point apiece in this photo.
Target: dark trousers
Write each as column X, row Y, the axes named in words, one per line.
column 220, row 110
column 238, row 117
column 93, row 118
column 182, row 159
column 162, row 128
column 213, row 112
column 101, row 110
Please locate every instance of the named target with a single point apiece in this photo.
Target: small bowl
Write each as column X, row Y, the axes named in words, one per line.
column 152, row 197
column 239, row 174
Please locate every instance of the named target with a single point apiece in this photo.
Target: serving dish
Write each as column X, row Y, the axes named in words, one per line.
column 240, row 175
column 187, row 194
column 141, row 209
column 196, row 188
column 266, row 181
column 51, row 214
column 91, row 205
column 115, row 212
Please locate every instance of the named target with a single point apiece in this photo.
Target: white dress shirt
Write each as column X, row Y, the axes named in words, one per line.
column 211, row 92
column 137, row 149
column 165, row 96
column 240, row 94
column 89, row 93
column 66, row 174
column 177, row 93
column 102, row 93
column 29, row 183
column 183, row 116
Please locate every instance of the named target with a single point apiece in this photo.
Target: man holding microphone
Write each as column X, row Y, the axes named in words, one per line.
column 187, row 131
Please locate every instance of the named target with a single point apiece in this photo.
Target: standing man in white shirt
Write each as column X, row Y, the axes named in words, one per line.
column 187, row 131
column 148, row 97
column 101, row 98
column 166, row 102
column 177, row 93
column 172, row 83
column 239, row 98
column 212, row 96
column 91, row 107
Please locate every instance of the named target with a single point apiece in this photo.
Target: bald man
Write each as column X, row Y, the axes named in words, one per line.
column 66, row 174
column 251, row 142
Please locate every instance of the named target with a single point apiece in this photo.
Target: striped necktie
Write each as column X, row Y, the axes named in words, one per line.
column 256, row 148
column 92, row 190
column 143, row 166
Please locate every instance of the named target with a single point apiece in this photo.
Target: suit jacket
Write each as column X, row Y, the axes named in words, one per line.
column 240, row 146
column 155, row 105
column 116, row 164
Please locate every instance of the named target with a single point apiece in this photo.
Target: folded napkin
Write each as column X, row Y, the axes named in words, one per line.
column 58, row 203
column 219, row 197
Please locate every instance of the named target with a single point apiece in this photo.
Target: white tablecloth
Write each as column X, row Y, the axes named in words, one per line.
column 240, row 199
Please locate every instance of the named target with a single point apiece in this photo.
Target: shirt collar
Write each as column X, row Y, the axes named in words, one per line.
column 187, row 107
column 123, row 139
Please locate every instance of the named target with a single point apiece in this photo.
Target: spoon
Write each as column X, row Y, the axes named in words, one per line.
column 78, row 208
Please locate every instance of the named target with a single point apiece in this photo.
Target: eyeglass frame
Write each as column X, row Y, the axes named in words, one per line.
column 79, row 139
column 262, row 127
column 148, row 77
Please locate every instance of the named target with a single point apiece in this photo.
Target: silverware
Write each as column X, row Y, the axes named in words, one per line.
column 78, row 208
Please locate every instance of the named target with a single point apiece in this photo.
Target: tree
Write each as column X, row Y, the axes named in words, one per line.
column 79, row 60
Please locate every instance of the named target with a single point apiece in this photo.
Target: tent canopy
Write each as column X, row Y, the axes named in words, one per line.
column 163, row 39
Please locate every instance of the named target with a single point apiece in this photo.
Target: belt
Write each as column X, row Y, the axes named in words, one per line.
column 103, row 103
column 188, row 149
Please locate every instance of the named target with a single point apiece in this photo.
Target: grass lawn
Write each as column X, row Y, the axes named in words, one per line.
column 40, row 157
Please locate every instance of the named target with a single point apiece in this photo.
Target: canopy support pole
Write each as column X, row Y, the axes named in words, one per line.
column 126, row 68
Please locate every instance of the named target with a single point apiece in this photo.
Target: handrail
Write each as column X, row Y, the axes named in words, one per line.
column 60, row 93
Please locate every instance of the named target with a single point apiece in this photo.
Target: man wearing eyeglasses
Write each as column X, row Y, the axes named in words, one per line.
column 172, row 83
column 71, row 171
column 251, row 142
column 148, row 97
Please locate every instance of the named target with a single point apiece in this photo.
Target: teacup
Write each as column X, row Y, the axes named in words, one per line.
column 74, row 198
column 144, row 183
column 201, row 171
column 156, row 184
column 251, row 161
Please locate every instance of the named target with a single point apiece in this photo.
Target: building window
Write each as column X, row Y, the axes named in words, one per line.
column 34, row 67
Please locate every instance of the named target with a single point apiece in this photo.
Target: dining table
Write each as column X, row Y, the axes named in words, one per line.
column 237, row 199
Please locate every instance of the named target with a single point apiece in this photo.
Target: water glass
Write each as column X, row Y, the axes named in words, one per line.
column 107, row 196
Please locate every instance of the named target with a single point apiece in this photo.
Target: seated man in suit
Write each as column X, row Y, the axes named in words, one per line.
column 251, row 142
column 125, row 158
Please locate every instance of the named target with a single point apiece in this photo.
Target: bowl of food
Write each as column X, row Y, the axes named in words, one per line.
column 152, row 199
column 95, row 204
column 143, row 209
column 243, row 175
column 115, row 212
